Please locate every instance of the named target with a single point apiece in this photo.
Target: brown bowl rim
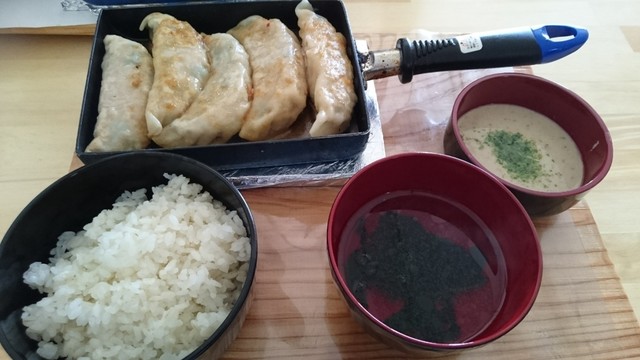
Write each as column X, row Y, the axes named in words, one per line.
column 585, row 186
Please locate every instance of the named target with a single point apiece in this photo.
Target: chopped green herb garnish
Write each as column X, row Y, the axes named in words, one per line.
column 517, row 154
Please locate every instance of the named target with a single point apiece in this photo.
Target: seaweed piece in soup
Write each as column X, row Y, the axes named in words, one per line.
column 422, row 272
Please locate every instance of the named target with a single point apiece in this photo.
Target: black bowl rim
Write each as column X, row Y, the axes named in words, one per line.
column 251, row 229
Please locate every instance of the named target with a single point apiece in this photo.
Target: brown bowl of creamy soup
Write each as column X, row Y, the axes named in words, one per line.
column 543, row 141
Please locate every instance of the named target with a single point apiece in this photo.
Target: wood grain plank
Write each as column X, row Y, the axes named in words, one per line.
column 581, row 311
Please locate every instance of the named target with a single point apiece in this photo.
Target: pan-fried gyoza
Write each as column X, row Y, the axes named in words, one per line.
column 218, row 111
column 181, row 69
column 127, row 74
column 329, row 72
column 251, row 82
column 279, row 82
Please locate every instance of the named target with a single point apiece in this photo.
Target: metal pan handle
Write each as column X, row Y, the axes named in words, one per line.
column 511, row 47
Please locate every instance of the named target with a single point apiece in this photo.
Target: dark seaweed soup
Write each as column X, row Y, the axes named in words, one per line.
column 425, row 266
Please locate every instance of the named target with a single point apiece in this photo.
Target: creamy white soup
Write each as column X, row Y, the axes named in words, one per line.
column 523, row 147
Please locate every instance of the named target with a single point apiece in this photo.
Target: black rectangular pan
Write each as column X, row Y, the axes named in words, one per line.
column 220, row 17
column 478, row 51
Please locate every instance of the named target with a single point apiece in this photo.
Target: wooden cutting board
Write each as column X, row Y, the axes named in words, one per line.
column 581, row 311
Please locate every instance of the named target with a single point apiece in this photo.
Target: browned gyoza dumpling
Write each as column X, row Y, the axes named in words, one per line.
column 181, row 69
column 127, row 74
column 218, row 111
column 279, row 82
column 329, row 72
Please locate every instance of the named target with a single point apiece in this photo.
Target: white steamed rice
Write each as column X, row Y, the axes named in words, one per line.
column 147, row 279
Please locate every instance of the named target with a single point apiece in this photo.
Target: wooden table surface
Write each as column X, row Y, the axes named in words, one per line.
column 591, row 283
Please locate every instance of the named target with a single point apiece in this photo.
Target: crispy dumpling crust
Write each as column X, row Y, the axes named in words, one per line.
column 329, row 72
column 217, row 113
column 127, row 74
column 278, row 75
column 181, row 69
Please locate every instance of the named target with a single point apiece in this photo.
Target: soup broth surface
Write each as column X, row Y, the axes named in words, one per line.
column 424, row 265
column 523, row 147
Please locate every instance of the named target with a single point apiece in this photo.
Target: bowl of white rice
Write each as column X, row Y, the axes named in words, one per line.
column 138, row 256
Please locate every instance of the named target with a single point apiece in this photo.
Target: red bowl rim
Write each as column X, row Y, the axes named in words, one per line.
column 601, row 174
column 415, row 342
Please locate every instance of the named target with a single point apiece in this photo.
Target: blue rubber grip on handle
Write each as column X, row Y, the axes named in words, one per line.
column 509, row 47
column 558, row 41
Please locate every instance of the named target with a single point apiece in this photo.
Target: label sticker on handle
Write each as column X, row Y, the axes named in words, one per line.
column 469, row 43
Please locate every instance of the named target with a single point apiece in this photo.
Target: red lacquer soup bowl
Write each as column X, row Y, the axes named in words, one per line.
column 432, row 253
column 573, row 115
